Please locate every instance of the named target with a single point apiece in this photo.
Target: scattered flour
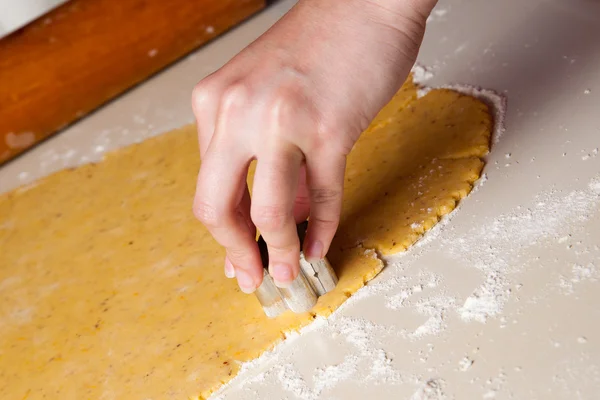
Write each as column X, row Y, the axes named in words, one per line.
column 465, row 364
column 589, row 155
column 495, row 386
column 495, row 246
column 374, row 362
column 421, row 74
column 440, row 12
column 292, row 381
column 431, row 390
column 328, row 377
column 460, row 48
column 579, row 274
column 416, row 226
column 487, row 300
column 437, row 14
column 436, row 308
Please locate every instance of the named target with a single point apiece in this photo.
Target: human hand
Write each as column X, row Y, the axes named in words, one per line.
column 296, row 100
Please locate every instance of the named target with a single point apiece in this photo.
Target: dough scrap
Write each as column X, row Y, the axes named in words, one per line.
column 110, row 289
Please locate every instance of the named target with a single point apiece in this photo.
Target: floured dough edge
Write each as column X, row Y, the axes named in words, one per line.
column 496, row 102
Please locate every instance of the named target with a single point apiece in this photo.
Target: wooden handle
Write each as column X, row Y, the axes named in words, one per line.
column 84, row 53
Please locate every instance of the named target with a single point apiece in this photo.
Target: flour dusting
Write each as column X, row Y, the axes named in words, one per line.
column 431, row 390
column 495, row 246
column 465, row 364
column 367, row 361
column 421, row 74
column 579, row 274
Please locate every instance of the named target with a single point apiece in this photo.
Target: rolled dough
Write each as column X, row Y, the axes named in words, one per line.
column 110, row 289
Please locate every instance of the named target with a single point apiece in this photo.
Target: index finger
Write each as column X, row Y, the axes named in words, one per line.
column 272, row 209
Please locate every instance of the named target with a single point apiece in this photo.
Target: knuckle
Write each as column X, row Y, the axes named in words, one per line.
column 269, row 218
column 203, row 94
column 285, row 97
column 237, row 254
column 281, row 108
column 281, row 250
column 329, row 126
column 302, row 201
column 329, row 223
column 332, row 132
column 325, row 195
column 208, row 214
column 237, row 94
column 290, row 101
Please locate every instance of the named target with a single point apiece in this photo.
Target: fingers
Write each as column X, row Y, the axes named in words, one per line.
column 302, row 202
column 325, row 176
column 244, row 211
column 205, row 105
column 221, row 204
column 222, row 200
column 229, row 269
column 272, row 210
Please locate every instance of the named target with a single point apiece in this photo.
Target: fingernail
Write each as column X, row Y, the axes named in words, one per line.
column 282, row 275
column 245, row 281
column 229, row 270
column 314, row 251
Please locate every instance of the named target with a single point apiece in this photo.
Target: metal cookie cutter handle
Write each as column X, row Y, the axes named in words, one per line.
column 314, row 280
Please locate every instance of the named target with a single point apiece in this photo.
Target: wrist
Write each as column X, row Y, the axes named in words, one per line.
column 418, row 8
column 401, row 22
column 394, row 12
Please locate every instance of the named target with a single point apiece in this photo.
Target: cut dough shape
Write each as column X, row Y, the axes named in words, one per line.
column 110, row 289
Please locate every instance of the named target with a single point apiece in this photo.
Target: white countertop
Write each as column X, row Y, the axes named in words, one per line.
column 503, row 300
column 15, row 14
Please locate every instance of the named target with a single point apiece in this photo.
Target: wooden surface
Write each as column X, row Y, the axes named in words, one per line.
column 86, row 52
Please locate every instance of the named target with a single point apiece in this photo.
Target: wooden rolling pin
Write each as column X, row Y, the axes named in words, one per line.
column 84, row 53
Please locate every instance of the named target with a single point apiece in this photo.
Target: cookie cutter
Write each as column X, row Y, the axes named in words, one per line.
column 314, row 280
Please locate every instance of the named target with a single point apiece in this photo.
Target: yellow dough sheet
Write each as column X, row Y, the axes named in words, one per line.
column 110, row 289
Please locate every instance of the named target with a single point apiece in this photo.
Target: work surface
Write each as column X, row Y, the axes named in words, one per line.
column 501, row 300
